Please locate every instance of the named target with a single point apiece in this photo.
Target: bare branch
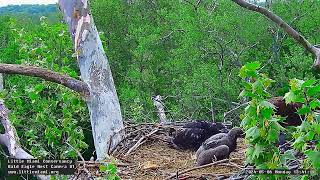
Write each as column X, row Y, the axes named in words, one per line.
column 46, row 74
column 287, row 28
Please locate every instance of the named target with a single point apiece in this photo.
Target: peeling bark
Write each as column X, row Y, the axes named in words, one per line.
column 103, row 103
column 48, row 75
column 10, row 139
column 286, row 27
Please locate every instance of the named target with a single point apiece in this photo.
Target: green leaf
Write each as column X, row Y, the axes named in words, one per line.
column 267, row 82
column 313, row 90
column 253, row 133
column 267, row 104
column 274, row 124
column 299, row 142
column 289, row 97
column 33, row 96
column 304, row 110
column 313, row 157
column 314, row 104
column 247, row 121
column 258, row 149
column 249, row 154
column 317, row 128
column 253, row 65
column 18, row 102
column 292, row 97
column 39, row 87
column 273, row 135
column 308, row 83
column 305, row 126
column 257, row 87
column 112, row 168
column 296, row 84
column 243, row 72
column 267, row 113
column 309, row 136
column 103, row 168
column 247, row 86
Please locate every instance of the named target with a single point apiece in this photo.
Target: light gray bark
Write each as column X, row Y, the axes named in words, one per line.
column 1, row 82
column 157, row 101
column 103, row 103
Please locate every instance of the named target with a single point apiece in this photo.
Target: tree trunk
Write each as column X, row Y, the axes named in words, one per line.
column 103, row 103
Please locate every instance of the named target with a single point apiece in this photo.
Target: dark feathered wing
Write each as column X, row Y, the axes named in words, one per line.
column 189, row 138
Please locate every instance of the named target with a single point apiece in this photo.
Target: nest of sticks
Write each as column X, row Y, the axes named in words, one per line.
column 145, row 153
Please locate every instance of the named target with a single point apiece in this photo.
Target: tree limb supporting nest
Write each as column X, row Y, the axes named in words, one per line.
column 286, row 27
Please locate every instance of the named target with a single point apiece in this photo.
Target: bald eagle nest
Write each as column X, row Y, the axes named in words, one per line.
column 145, row 153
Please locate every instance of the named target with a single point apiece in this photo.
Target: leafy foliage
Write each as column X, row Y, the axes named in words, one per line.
column 307, row 135
column 261, row 125
column 110, row 170
column 192, row 54
column 189, row 53
column 45, row 115
column 263, row 128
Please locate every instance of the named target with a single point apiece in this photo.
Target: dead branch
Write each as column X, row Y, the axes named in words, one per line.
column 230, row 165
column 286, row 27
column 157, row 101
column 228, row 112
column 45, row 74
column 10, row 139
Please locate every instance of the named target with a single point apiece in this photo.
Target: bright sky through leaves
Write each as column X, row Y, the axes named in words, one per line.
column 18, row 2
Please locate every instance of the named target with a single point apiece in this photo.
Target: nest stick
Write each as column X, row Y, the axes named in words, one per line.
column 140, row 142
column 199, row 167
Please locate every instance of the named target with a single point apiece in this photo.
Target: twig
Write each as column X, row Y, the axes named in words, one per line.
column 230, row 165
column 218, row 175
column 140, row 142
column 126, row 137
column 79, row 154
column 95, row 164
column 200, row 167
column 228, row 112
column 83, row 161
column 109, row 147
